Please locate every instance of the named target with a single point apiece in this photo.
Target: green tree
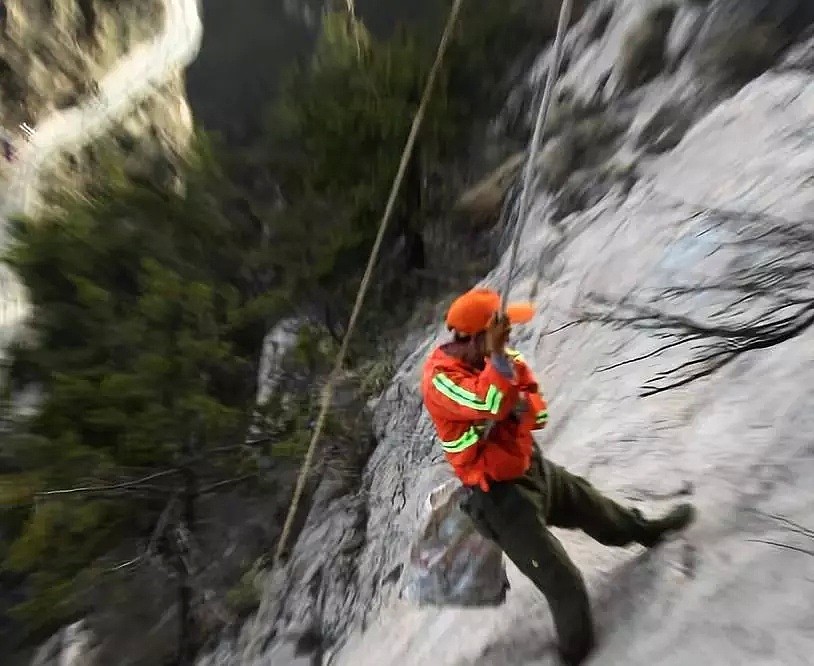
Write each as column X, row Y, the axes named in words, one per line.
column 336, row 135
column 148, row 320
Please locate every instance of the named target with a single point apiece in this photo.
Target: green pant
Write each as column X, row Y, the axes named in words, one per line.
column 515, row 515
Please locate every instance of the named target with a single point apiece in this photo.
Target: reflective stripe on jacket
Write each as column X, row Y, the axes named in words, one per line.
column 537, row 413
column 462, row 400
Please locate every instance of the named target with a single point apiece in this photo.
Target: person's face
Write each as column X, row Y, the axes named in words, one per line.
column 479, row 345
column 475, row 351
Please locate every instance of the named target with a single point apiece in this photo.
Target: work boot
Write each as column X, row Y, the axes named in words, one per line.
column 677, row 519
column 573, row 658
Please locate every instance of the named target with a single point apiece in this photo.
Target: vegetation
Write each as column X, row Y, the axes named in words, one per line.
column 643, row 56
column 245, row 596
column 335, row 139
column 740, row 55
column 145, row 336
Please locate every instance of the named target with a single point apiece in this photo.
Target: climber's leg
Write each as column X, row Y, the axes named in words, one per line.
column 576, row 504
column 511, row 515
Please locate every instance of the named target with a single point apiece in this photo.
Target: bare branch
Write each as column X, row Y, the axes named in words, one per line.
column 772, row 269
column 124, row 565
column 790, row 524
column 726, row 342
column 102, row 489
column 227, row 482
column 230, row 448
column 563, row 327
column 651, row 354
column 785, row 546
column 160, row 524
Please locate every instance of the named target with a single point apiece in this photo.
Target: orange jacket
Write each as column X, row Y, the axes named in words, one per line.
column 462, row 400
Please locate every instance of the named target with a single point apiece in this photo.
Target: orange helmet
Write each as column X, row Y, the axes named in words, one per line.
column 471, row 312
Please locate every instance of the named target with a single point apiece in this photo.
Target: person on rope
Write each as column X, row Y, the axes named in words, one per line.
column 485, row 402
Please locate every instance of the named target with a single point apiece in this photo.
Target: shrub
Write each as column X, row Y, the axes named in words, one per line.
column 245, row 596
column 741, row 55
column 643, row 54
column 146, row 326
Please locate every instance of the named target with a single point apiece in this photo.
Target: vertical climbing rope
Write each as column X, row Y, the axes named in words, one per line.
column 328, row 391
column 539, row 127
column 528, row 170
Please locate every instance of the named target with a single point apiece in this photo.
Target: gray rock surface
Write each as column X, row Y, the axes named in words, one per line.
column 277, row 343
column 71, row 646
column 740, row 436
column 692, row 287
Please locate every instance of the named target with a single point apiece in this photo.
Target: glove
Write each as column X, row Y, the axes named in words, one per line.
column 521, row 407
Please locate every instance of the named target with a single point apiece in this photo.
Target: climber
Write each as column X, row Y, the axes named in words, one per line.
column 485, row 403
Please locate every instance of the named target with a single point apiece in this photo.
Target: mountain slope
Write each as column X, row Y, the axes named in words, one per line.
column 740, row 436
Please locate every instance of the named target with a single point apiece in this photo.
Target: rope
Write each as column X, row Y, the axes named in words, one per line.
column 350, row 6
column 328, row 391
column 539, row 127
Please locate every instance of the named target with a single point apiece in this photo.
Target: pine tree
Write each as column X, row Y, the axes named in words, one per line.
column 143, row 342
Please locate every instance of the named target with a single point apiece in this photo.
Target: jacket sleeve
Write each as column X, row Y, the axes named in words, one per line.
column 527, row 382
column 464, row 396
column 539, row 407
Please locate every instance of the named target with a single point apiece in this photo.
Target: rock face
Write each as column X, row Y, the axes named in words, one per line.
column 72, row 646
column 690, row 284
column 143, row 72
column 52, row 51
column 277, row 343
column 137, row 96
column 148, row 139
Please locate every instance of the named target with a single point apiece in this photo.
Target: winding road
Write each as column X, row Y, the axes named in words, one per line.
column 131, row 80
